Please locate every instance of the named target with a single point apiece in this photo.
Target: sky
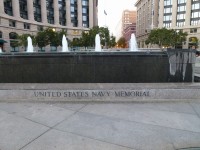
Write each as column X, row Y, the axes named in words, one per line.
column 114, row 9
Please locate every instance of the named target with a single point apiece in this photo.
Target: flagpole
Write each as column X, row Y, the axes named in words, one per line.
column 105, row 14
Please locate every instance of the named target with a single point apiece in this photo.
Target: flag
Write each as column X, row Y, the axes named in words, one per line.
column 105, row 13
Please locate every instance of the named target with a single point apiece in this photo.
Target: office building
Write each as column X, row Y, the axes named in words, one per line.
column 180, row 15
column 147, row 19
column 30, row 16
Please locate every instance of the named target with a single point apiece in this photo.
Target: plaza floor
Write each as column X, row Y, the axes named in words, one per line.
column 100, row 126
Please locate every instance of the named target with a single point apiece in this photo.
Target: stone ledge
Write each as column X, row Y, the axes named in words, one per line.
column 99, row 92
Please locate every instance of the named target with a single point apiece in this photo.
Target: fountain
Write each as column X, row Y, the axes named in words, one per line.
column 30, row 45
column 133, row 43
column 64, row 44
column 97, row 43
column 97, row 66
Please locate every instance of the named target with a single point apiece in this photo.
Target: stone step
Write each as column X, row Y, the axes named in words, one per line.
column 100, row 92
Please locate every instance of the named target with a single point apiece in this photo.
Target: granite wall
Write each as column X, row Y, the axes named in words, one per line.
column 83, row 67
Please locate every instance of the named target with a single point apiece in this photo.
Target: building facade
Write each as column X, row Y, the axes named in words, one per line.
column 128, row 31
column 147, row 19
column 181, row 15
column 128, row 24
column 30, row 16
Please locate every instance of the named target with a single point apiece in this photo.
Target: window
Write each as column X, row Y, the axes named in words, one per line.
column 62, row 12
column 23, row 9
column 180, row 24
column 37, row 10
column 12, row 23
column 13, row 41
column 168, row 10
column 8, row 7
column 84, row 18
column 196, row 6
column 1, row 35
column 181, row 8
column 193, row 30
column 167, row 2
column 40, row 28
column 181, row 1
column 168, row 18
column 50, row 11
column 85, row 3
column 180, row 16
column 26, row 26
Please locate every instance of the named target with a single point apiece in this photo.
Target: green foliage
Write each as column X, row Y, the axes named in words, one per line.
column 112, row 41
column 42, row 39
column 194, row 41
column 88, row 37
column 121, row 42
column 23, row 40
column 166, row 37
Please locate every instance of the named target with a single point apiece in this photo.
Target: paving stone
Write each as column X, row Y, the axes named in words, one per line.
column 15, row 132
column 134, row 135
column 57, row 140
column 42, row 113
column 70, row 106
column 175, row 120
column 196, row 107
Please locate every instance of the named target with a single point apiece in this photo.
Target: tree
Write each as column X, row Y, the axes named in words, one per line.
column 13, row 42
column 85, row 39
column 165, row 37
column 104, row 36
column 88, row 38
column 121, row 42
column 23, row 40
column 193, row 41
column 42, row 39
column 112, row 41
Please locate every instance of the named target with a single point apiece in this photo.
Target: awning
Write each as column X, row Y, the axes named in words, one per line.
column 2, row 41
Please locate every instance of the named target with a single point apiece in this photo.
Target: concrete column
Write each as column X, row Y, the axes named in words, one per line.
column 91, row 13
column 174, row 13
column 68, row 13
column 2, row 7
column 30, row 10
column 44, row 11
column 56, row 12
column 15, row 7
column 95, row 17
column 188, row 13
column 80, row 19
column 161, row 12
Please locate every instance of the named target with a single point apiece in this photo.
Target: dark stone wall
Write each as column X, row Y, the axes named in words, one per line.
column 105, row 67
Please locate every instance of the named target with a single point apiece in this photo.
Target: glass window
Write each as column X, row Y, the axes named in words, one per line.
column 85, row 2
column 196, row 6
column 23, row 9
column 8, row 7
column 167, row 2
column 37, row 10
column 168, row 10
column 12, row 23
column 181, row 8
column 180, row 16
column 1, row 35
column 193, row 30
column 26, row 26
column 84, row 18
column 168, row 18
column 181, row 1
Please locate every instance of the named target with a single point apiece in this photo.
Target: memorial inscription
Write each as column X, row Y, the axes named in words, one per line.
column 91, row 94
